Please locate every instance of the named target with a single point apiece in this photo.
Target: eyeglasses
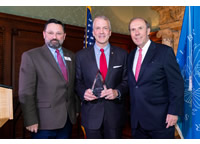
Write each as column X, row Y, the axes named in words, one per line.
column 52, row 33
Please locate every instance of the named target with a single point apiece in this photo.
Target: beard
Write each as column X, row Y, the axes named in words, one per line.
column 54, row 43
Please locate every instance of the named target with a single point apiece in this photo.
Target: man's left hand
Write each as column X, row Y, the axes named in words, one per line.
column 109, row 94
column 171, row 120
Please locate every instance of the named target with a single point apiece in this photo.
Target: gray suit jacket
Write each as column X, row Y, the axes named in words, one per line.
column 44, row 95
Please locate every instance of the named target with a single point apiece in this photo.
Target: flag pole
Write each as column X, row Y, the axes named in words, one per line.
column 179, row 131
column 190, row 53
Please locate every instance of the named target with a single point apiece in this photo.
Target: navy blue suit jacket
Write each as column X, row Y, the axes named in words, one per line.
column 93, row 112
column 159, row 90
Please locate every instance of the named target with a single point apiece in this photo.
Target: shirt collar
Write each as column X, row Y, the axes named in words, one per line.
column 146, row 46
column 97, row 48
column 54, row 50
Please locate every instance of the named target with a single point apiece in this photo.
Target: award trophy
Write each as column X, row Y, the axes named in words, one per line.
column 98, row 85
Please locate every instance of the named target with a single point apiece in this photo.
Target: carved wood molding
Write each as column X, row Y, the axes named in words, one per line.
column 167, row 36
column 169, row 14
column 173, row 25
column 170, row 24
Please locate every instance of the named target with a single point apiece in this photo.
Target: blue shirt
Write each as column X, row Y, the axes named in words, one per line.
column 107, row 54
column 98, row 53
column 53, row 51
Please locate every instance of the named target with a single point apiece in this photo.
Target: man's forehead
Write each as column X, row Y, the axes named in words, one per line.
column 54, row 26
column 100, row 21
column 138, row 22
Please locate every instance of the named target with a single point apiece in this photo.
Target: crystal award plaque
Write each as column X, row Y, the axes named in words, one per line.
column 98, row 84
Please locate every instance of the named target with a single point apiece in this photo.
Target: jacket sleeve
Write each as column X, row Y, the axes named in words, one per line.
column 123, row 86
column 27, row 90
column 78, row 105
column 79, row 85
column 175, row 84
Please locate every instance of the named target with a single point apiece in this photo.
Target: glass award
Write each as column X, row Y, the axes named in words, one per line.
column 98, row 85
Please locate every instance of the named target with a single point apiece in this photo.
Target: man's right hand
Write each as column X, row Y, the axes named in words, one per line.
column 32, row 128
column 89, row 96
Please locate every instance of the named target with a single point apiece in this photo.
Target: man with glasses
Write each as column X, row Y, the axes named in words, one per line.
column 46, row 86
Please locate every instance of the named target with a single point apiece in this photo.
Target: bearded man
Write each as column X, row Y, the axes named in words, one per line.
column 46, row 86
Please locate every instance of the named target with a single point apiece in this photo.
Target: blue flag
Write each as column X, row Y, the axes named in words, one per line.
column 88, row 38
column 188, row 57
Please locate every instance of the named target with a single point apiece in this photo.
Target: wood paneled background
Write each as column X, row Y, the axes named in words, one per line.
column 19, row 34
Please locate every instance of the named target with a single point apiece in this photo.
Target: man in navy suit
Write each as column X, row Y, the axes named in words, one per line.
column 155, row 83
column 102, row 117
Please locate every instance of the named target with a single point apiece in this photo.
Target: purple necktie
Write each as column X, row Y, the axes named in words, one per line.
column 62, row 65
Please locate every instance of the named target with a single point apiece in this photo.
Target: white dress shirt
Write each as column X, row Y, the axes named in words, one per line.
column 144, row 51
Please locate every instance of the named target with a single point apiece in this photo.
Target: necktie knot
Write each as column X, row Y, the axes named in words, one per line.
column 57, row 51
column 102, row 50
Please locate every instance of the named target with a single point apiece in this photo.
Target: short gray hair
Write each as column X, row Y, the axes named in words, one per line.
column 105, row 18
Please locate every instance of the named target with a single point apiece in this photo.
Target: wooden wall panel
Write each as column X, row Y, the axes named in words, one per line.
column 74, row 44
column 74, row 38
column 1, row 57
column 123, row 41
column 22, row 40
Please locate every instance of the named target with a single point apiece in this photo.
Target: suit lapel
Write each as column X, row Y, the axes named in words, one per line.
column 111, row 63
column 50, row 59
column 132, row 60
column 68, row 61
column 149, row 55
column 92, row 61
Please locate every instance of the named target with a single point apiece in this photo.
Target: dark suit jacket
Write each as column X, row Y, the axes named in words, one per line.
column 44, row 95
column 159, row 89
column 93, row 112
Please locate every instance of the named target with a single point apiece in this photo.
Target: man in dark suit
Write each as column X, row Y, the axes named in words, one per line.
column 46, row 86
column 102, row 117
column 155, row 83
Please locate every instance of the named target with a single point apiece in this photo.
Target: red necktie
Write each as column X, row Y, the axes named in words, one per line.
column 138, row 66
column 62, row 65
column 103, row 64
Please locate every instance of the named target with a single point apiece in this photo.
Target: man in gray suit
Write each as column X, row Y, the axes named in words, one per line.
column 46, row 86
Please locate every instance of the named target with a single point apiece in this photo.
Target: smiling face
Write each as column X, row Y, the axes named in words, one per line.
column 101, row 32
column 139, row 32
column 54, row 35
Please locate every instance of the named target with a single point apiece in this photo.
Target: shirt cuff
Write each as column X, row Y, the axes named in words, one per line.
column 119, row 95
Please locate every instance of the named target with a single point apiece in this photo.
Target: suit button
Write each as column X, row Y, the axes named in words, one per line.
column 136, row 86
